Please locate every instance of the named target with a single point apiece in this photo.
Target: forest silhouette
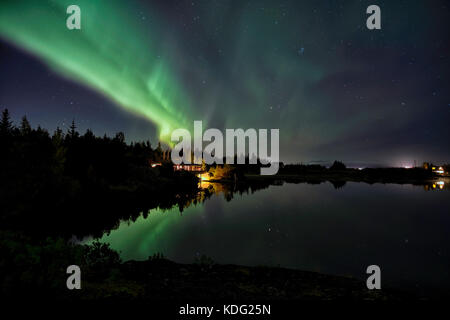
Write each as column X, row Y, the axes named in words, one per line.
column 67, row 183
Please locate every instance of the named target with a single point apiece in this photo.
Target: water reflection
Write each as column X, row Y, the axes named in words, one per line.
column 326, row 227
column 438, row 185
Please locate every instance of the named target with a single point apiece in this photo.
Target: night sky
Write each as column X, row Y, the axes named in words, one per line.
column 335, row 89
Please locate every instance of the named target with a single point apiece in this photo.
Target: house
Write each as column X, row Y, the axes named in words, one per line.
column 438, row 170
column 188, row 167
column 435, row 169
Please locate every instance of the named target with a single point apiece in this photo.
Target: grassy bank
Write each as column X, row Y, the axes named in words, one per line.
column 31, row 269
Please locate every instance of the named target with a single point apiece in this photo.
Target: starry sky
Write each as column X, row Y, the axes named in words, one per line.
column 335, row 89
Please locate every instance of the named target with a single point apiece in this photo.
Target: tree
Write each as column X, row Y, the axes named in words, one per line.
column 222, row 172
column 25, row 127
column 204, row 167
column 159, row 148
column 6, row 123
column 120, row 137
column 60, row 151
column 89, row 135
column 72, row 131
column 338, row 165
column 58, row 135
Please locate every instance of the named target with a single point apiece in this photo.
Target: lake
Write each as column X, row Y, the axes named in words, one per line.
column 404, row 229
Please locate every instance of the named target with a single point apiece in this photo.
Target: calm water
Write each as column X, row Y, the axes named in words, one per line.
column 402, row 228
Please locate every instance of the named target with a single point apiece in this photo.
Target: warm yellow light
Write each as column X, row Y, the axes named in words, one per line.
column 203, row 176
column 204, row 180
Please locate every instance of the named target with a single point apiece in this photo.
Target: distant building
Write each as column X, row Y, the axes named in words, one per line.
column 438, row 170
column 435, row 169
column 188, row 167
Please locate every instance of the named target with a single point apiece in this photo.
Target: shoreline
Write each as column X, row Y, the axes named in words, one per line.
column 164, row 280
column 343, row 177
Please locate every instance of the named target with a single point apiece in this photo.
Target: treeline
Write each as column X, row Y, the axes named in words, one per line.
column 72, row 182
column 82, row 156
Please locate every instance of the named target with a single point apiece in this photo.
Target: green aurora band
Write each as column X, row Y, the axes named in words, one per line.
column 111, row 54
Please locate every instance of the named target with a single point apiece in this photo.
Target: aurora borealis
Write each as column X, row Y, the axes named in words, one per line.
column 310, row 68
column 116, row 61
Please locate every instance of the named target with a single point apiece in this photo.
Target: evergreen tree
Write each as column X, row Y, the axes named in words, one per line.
column 120, row 137
column 6, row 123
column 25, row 127
column 60, row 151
column 58, row 136
column 89, row 135
column 72, row 131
